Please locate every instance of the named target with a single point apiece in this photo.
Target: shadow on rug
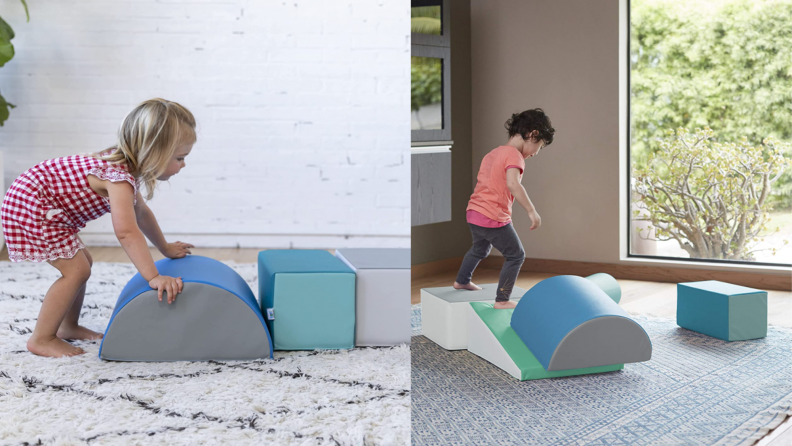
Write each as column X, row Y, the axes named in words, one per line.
column 696, row 390
column 345, row 397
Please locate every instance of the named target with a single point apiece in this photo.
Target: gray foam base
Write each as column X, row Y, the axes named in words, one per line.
column 205, row 322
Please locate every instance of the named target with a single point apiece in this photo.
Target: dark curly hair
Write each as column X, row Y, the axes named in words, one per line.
column 526, row 122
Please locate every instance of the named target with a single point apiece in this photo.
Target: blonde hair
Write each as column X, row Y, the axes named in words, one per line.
column 148, row 138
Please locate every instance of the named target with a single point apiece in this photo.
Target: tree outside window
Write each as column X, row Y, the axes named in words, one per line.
column 711, row 129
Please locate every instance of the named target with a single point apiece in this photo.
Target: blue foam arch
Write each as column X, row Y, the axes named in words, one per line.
column 550, row 312
column 193, row 269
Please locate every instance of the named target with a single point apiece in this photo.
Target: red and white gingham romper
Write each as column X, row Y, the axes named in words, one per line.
column 49, row 203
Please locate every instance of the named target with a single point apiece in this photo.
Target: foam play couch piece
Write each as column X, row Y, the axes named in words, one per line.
column 568, row 322
column 491, row 337
column 444, row 312
column 216, row 316
column 308, row 299
column 722, row 310
column 382, row 290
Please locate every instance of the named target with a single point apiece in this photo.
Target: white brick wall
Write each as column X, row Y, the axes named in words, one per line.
column 302, row 109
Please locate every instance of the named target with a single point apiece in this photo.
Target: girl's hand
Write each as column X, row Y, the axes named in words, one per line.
column 171, row 285
column 535, row 219
column 177, row 250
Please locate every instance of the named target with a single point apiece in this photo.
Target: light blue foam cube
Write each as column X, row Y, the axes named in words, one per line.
column 307, row 298
column 722, row 310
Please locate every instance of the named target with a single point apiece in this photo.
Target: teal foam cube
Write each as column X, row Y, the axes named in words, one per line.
column 307, row 298
column 722, row 310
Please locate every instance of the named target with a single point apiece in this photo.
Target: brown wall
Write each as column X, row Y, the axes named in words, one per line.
column 562, row 56
column 450, row 239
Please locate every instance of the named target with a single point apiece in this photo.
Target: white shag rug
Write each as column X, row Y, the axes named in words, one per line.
column 346, row 397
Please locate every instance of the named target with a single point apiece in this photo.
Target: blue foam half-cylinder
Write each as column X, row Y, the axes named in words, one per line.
column 216, row 316
column 569, row 322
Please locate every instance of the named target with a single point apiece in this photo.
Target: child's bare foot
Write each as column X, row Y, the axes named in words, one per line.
column 78, row 332
column 504, row 305
column 469, row 286
column 52, row 347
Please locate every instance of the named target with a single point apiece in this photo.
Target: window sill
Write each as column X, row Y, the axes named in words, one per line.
column 716, row 266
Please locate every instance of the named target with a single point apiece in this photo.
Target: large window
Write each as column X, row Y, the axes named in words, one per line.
column 711, row 130
column 430, row 100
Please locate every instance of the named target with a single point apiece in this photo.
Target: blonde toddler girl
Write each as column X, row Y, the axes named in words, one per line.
column 48, row 204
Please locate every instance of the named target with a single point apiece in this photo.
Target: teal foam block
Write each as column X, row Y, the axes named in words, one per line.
column 722, row 310
column 308, row 299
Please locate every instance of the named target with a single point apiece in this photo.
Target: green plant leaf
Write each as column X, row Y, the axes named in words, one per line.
column 6, row 53
column 6, row 48
column 4, row 109
column 6, row 32
column 27, row 13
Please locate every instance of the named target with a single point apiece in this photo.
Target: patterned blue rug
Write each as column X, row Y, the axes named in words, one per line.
column 696, row 390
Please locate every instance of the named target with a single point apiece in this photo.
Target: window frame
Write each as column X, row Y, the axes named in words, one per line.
column 628, row 185
column 426, row 45
column 444, row 39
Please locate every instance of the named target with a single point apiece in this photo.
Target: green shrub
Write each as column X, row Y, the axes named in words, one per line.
column 724, row 64
column 712, row 198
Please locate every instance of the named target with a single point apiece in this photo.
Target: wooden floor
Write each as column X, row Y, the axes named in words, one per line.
column 638, row 297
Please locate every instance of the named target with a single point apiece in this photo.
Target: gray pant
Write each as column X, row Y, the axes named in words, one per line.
column 505, row 240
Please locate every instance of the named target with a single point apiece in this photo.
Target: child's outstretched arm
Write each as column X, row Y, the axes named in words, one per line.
column 520, row 194
column 122, row 212
column 148, row 224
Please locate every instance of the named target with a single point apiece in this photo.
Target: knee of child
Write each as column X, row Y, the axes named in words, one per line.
column 516, row 256
column 80, row 273
column 90, row 264
column 83, row 274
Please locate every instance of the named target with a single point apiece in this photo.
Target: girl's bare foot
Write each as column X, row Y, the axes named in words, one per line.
column 78, row 332
column 469, row 286
column 52, row 347
column 504, row 305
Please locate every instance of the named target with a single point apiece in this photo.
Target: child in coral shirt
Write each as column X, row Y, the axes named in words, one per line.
column 490, row 207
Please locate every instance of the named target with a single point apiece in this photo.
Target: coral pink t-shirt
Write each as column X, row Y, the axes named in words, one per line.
column 491, row 198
